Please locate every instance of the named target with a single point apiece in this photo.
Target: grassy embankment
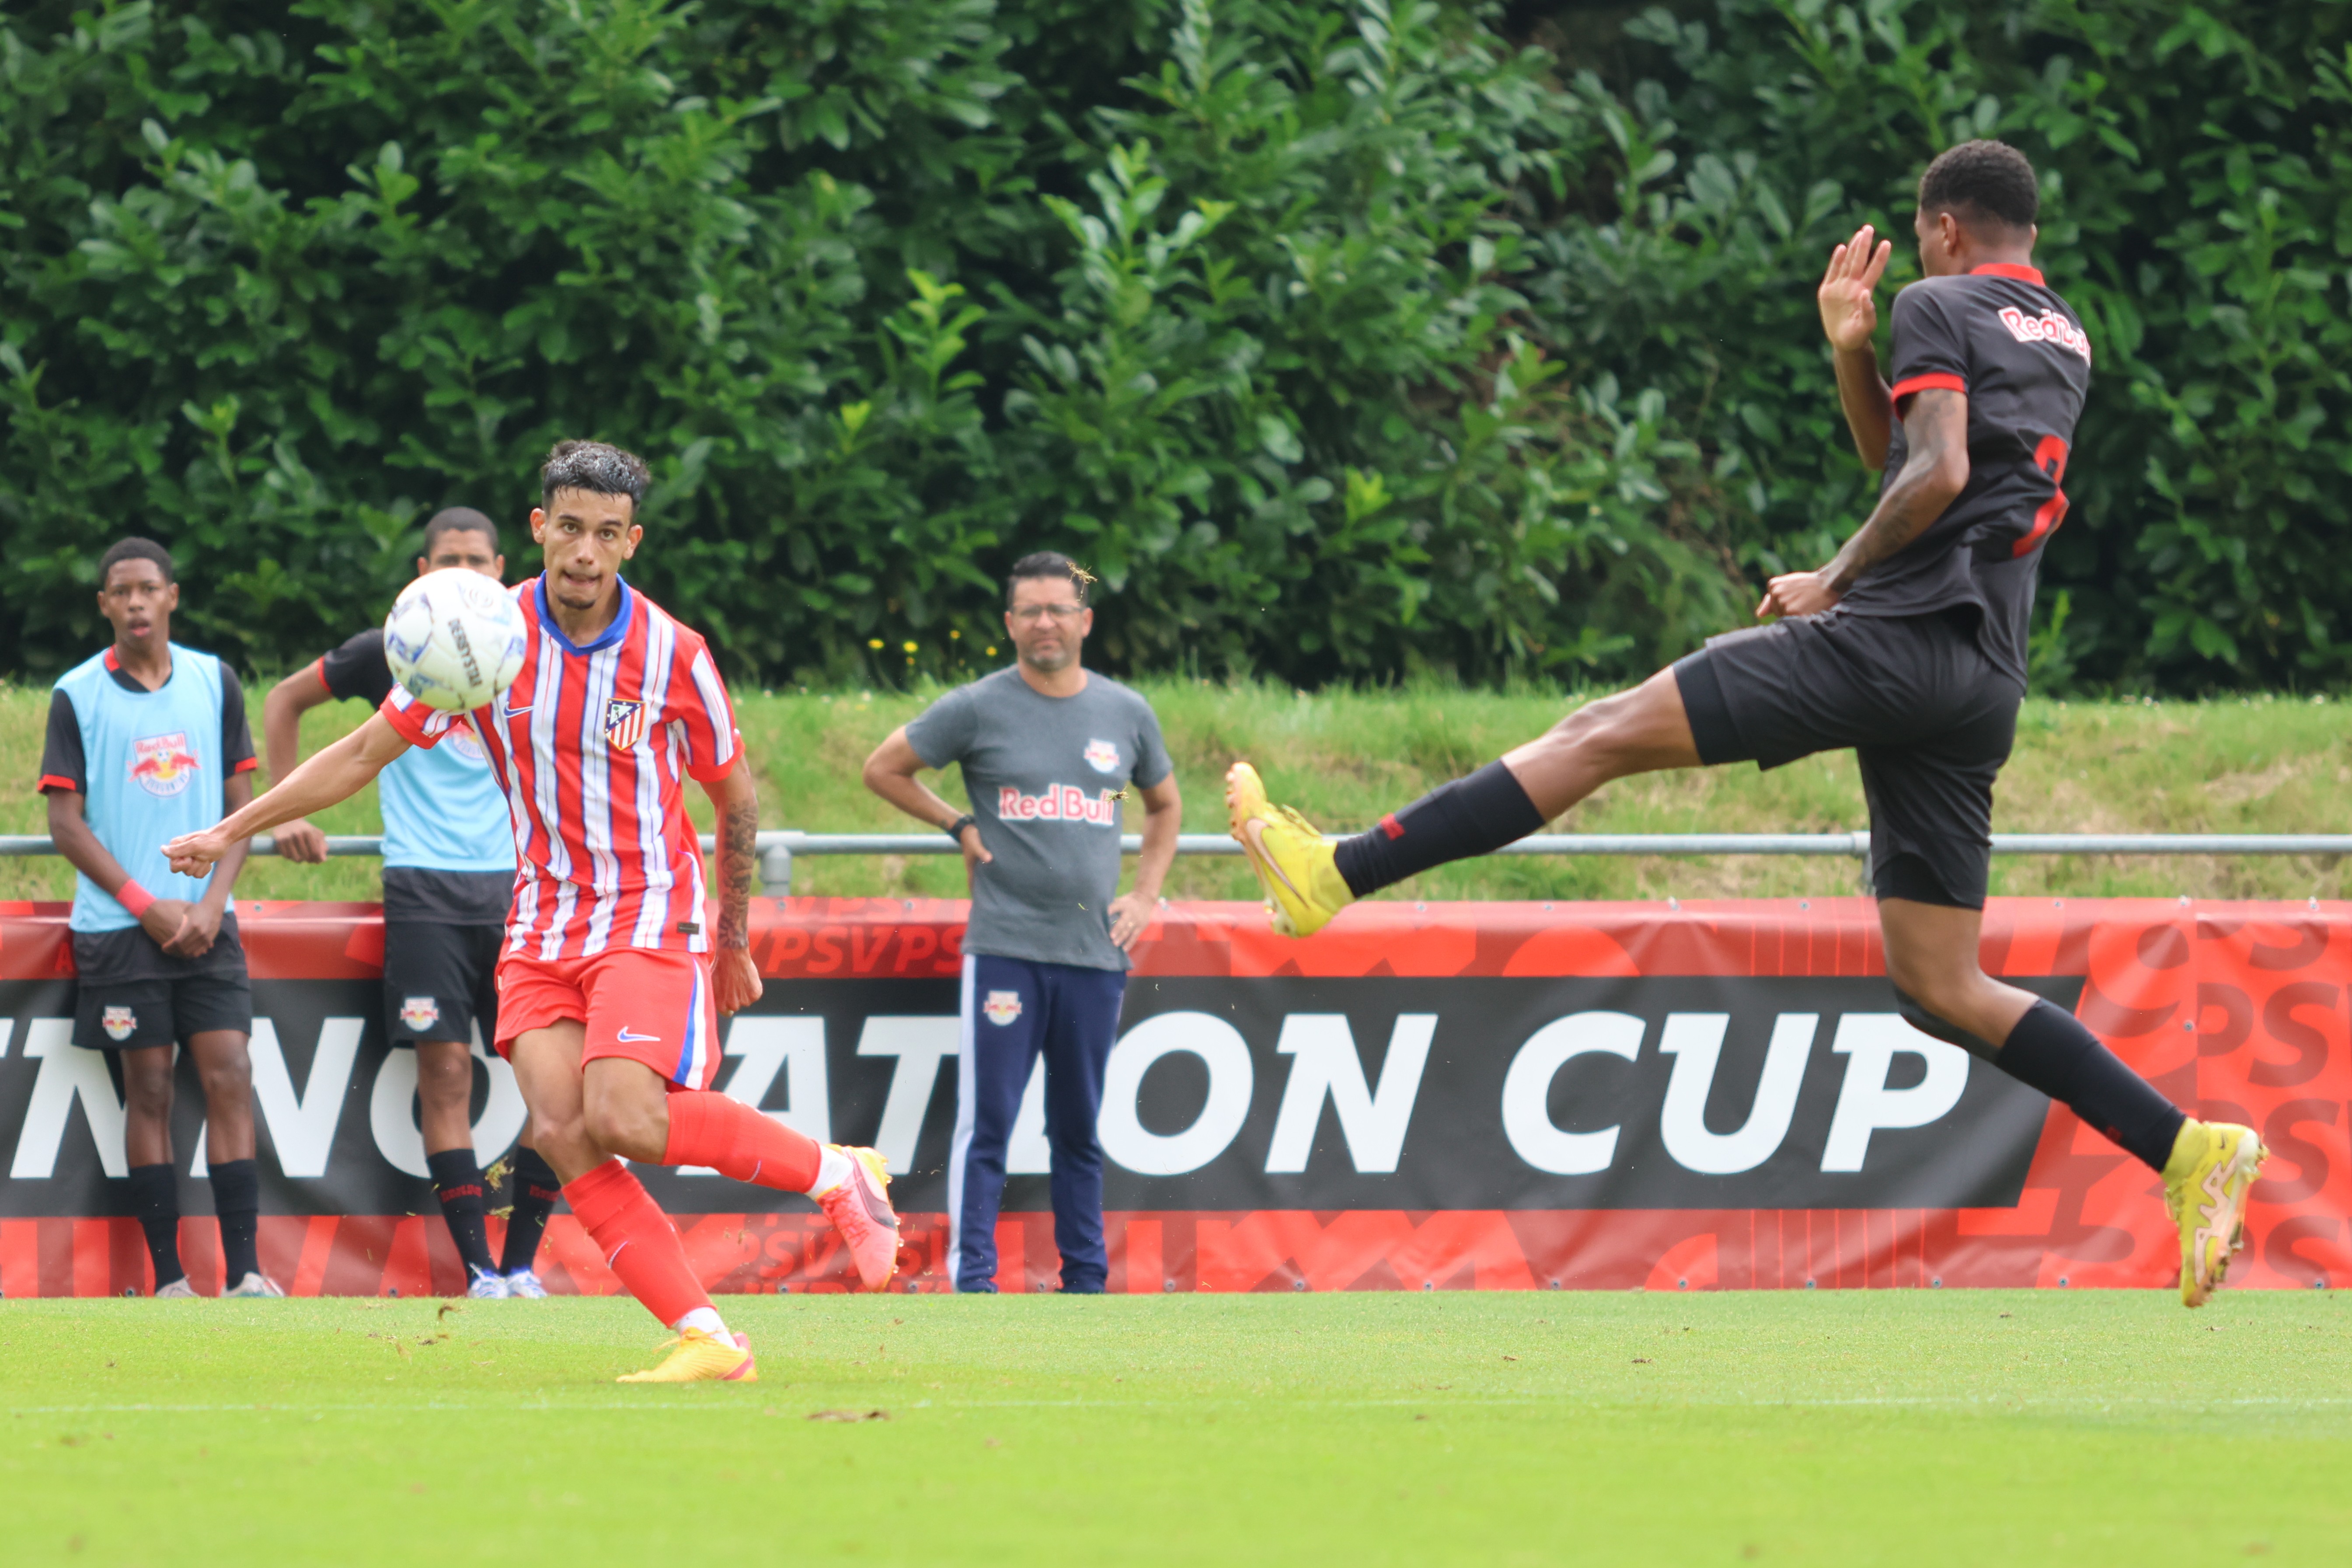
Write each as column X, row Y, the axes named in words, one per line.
column 2259, row 765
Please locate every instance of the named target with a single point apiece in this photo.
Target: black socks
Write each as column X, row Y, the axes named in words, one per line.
column 155, row 1199
column 457, row 1183
column 2051, row 1051
column 236, row 1198
column 535, row 1192
column 1453, row 821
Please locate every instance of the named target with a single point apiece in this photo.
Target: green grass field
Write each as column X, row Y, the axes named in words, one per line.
column 1849, row 1427
column 2241, row 765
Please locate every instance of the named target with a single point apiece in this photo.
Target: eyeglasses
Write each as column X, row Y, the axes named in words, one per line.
column 1029, row 614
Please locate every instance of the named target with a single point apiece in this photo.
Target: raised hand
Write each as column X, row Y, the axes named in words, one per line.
column 1849, row 314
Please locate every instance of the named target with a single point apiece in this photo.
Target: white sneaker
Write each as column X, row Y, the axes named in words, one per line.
column 523, row 1286
column 488, row 1286
column 177, row 1290
column 258, row 1285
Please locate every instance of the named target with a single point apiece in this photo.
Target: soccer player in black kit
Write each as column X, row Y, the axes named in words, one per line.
column 1909, row 647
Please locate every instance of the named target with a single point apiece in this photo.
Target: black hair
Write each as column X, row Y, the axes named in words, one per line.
column 594, row 466
column 1983, row 181
column 459, row 519
column 135, row 549
column 1048, row 563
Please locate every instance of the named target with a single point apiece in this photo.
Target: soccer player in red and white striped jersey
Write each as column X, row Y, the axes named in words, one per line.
column 610, row 988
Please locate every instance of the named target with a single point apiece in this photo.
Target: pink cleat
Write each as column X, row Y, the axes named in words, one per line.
column 859, row 1207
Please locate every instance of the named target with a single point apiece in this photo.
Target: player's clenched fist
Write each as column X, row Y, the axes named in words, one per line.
column 1797, row 593
column 1849, row 314
column 195, row 854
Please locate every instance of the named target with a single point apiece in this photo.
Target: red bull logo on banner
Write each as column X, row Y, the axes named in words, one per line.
column 163, row 763
column 1059, row 803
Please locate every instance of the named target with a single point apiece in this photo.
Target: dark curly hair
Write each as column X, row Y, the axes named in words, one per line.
column 1985, row 181
column 593, row 466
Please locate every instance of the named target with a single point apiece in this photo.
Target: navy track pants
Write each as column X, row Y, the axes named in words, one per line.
column 1015, row 1011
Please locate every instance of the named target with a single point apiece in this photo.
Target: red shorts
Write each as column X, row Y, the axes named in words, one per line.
column 647, row 1004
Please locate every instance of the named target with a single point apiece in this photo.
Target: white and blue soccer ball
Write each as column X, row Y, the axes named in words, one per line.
column 455, row 640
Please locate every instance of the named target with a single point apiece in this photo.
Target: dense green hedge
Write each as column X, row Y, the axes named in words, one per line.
column 1341, row 339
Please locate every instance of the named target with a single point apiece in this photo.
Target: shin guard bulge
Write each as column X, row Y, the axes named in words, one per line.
column 1474, row 815
column 2049, row 1050
column 706, row 1128
column 637, row 1240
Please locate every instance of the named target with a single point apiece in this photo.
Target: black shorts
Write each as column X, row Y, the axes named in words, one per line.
column 131, row 994
column 1930, row 717
column 440, row 981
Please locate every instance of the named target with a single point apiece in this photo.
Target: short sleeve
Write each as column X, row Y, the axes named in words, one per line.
column 357, row 668
column 62, row 763
column 237, row 734
column 942, row 732
column 418, row 723
column 699, row 707
column 1152, row 764
column 1931, row 353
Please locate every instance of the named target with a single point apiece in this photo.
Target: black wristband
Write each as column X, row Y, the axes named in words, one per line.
column 955, row 829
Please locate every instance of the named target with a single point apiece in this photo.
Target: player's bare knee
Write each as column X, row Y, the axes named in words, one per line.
column 147, row 1092
column 226, row 1078
column 444, row 1076
column 619, row 1126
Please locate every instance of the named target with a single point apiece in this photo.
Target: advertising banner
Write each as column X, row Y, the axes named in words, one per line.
column 1422, row 1097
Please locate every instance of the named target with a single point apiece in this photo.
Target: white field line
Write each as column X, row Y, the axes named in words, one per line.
column 1273, row 1405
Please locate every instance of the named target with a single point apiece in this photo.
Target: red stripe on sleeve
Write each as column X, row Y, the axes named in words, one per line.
column 1936, row 382
column 411, row 721
column 318, row 669
column 53, row 780
column 247, row 766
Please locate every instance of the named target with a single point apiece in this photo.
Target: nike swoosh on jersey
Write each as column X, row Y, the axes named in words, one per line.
column 627, row 1039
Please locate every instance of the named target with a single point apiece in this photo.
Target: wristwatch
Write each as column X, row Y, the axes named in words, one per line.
column 955, row 829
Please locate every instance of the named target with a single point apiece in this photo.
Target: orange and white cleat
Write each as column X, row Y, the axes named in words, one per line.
column 859, row 1207
column 697, row 1357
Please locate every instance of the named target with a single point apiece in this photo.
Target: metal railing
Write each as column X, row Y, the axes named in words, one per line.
column 779, row 847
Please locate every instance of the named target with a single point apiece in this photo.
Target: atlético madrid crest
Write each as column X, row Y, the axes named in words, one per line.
column 624, row 724
column 420, row 1012
column 119, row 1022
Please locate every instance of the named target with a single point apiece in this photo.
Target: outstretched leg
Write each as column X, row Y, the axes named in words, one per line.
column 1943, row 990
column 1308, row 881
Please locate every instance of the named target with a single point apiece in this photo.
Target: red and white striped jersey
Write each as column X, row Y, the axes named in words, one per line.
column 593, row 745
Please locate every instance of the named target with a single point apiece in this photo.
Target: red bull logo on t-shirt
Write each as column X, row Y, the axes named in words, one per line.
column 163, row 763
column 1059, row 803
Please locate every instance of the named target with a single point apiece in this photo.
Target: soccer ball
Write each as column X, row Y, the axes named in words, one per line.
column 455, row 640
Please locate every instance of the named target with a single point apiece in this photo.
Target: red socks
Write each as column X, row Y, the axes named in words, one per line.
column 638, row 1242
column 706, row 1128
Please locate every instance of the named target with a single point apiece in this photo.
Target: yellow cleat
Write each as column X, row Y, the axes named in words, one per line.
column 2205, row 1182
column 1303, row 886
column 697, row 1357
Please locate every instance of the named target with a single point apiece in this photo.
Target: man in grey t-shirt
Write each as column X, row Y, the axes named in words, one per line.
column 1048, row 752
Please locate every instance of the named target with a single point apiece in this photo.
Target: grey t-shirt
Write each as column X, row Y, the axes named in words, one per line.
column 1043, row 773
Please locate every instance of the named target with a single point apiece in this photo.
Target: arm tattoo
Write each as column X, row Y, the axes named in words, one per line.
column 739, row 839
column 1938, row 423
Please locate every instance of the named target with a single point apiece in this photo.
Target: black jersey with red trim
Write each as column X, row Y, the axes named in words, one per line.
column 2002, row 337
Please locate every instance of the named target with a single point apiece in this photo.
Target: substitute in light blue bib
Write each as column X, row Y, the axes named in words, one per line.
column 443, row 809
column 155, row 772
